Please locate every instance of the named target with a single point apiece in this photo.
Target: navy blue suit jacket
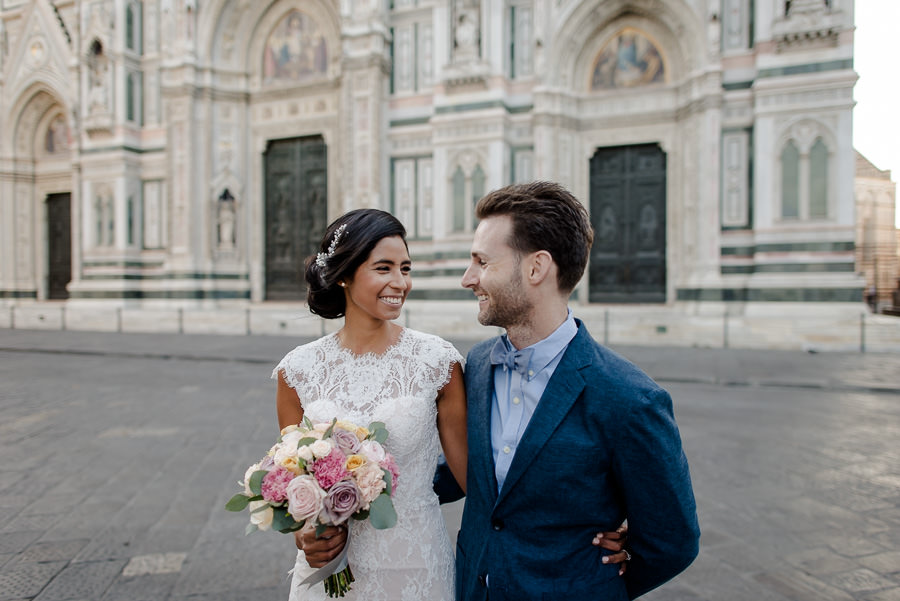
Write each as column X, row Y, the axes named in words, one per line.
column 601, row 446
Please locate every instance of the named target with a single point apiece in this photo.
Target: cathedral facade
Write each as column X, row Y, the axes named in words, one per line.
column 193, row 151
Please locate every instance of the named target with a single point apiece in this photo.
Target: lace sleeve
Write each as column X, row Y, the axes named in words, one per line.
column 292, row 367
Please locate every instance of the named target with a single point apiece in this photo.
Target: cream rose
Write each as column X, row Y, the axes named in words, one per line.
column 261, row 514
column 370, row 480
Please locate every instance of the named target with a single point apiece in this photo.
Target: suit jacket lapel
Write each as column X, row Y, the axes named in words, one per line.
column 479, row 377
column 562, row 391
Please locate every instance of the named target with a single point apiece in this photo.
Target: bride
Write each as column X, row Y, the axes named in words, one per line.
column 375, row 370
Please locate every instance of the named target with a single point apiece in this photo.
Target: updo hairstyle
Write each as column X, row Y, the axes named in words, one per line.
column 364, row 229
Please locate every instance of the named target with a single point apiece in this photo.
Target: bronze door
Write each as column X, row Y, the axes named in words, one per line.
column 296, row 212
column 628, row 212
column 59, row 245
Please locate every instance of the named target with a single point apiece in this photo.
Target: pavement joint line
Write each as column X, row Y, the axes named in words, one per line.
column 661, row 379
column 129, row 355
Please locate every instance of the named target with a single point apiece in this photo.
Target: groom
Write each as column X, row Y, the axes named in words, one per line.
column 566, row 438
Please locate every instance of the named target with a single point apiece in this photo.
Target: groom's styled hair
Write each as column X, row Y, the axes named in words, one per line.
column 545, row 216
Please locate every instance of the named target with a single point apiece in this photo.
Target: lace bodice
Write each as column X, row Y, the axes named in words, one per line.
column 413, row 560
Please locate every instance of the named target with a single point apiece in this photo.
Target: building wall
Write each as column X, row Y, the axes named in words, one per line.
column 876, row 234
column 160, row 106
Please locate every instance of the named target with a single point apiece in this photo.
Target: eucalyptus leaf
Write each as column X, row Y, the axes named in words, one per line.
column 306, row 441
column 361, row 515
column 320, row 528
column 255, row 483
column 250, row 528
column 238, row 502
column 381, row 512
column 380, row 435
column 388, row 480
column 281, row 520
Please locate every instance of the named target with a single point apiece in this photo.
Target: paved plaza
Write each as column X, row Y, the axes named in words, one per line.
column 119, row 451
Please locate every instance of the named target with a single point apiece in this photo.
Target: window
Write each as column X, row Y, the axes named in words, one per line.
column 104, row 218
column 818, row 180
column 133, row 24
column 412, row 53
column 412, row 201
column 466, row 189
column 134, row 98
column 521, row 55
column 805, row 177
column 790, row 180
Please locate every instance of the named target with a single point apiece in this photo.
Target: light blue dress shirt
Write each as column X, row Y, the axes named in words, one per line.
column 516, row 395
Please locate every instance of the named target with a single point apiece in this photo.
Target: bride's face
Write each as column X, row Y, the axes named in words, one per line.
column 381, row 284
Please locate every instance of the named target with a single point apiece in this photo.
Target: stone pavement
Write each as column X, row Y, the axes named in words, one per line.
column 118, row 452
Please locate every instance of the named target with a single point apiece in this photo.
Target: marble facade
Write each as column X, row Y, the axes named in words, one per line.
column 155, row 116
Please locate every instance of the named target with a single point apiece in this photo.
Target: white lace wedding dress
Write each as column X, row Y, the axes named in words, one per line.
column 413, row 560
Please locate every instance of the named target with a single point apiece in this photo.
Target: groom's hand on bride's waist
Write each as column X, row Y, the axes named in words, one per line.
column 322, row 549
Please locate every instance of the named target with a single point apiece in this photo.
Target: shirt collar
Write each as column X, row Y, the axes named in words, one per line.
column 546, row 350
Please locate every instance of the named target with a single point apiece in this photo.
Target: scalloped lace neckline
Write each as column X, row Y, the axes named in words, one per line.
column 370, row 354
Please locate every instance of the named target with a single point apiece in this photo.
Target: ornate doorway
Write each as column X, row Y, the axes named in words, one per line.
column 628, row 212
column 296, row 211
column 59, row 245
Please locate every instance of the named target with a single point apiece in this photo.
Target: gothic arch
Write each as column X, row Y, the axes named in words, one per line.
column 588, row 26
column 30, row 108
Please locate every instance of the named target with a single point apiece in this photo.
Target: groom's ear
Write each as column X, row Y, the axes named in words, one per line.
column 539, row 265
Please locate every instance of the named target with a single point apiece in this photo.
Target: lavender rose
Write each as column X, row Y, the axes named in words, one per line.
column 304, row 497
column 341, row 502
column 346, row 441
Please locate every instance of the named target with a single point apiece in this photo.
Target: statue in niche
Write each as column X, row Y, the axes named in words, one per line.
column 226, row 219
column 466, row 30
column 98, row 71
column 57, row 137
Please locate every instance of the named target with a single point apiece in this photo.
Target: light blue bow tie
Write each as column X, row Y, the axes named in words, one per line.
column 512, row 359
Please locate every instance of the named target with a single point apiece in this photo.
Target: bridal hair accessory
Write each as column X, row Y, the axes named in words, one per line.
column 322, row 258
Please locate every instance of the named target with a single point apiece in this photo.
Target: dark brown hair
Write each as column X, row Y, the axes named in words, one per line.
column 545, row 216
column 363, row 229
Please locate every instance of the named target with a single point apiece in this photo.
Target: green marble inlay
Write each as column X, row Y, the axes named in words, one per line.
column 793, row 295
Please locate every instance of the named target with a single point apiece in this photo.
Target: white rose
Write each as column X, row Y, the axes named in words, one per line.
column 321, row 448
column 247, row 475
column 372, row 450
column 305, row 453
column 261, row 514
column 291, row 439
column 285, row 453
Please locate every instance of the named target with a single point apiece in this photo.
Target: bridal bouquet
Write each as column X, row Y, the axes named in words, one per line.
column 320, row 475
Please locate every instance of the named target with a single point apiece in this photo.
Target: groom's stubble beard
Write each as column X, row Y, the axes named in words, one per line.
column 508, row 306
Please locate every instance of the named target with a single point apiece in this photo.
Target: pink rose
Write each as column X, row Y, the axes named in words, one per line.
column 390, row 465
column 330, row 469
column 372, row 450
column 304, row 497
column 341, row 502
column 274, row 484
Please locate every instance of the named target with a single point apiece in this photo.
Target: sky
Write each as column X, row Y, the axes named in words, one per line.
column 876, row 117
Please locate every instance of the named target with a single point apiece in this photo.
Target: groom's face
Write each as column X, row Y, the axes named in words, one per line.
column 495, row 275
